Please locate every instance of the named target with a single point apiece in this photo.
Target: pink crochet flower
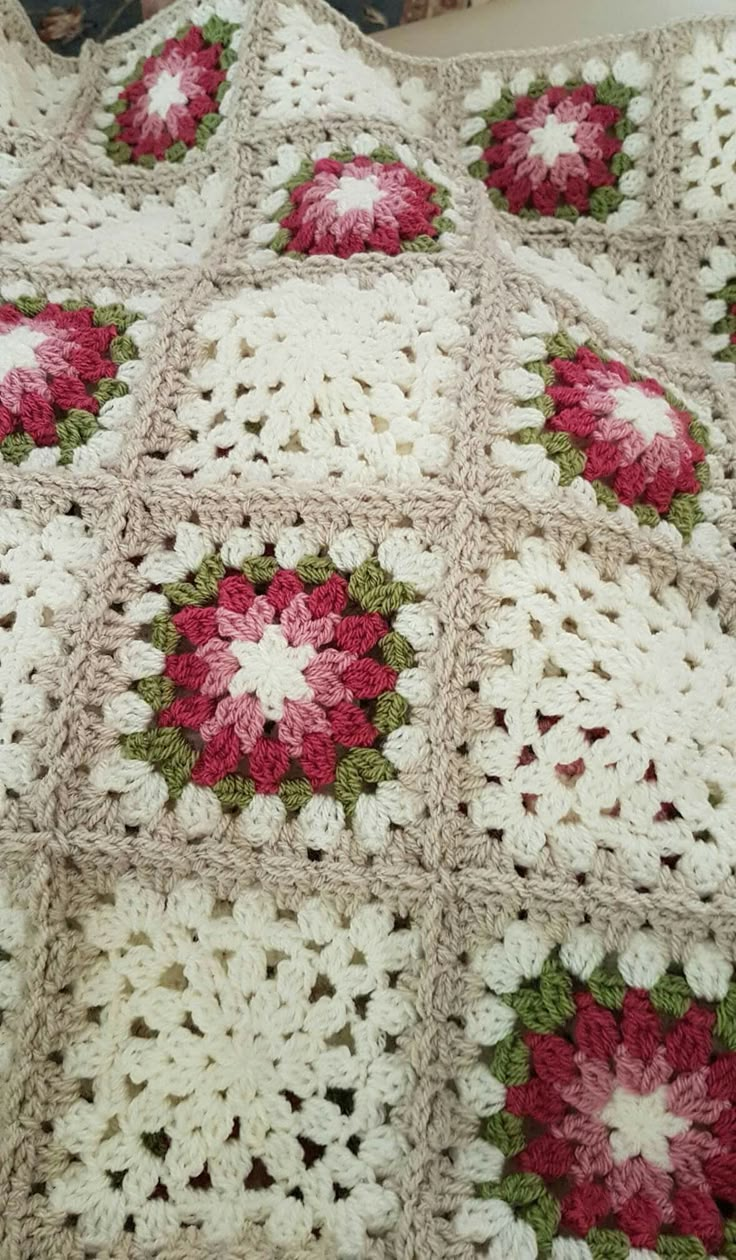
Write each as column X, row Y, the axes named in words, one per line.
column 632, row 436
column 280, row 679
column 174, row 90
column 632, row 1119
column 49, row 364
column 553, row 150
column 359, row 205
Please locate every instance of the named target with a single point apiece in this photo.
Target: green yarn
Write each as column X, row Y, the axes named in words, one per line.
column 725, row 1026
column 157, row 691
column 699, row 433
column 30, row 306
column 384, row 154
column 207, row 127
column 74, row 430
column 16, row 447
column 357, row 768
column 371, row 587
column 164, row 634
column 397, row 651
column 259, row 569
column 544, row 1217
column 624, row 127
column 117, row 150
column 113, row 314
column 685, row 513
column 177, row 151
column 543, row 403
column 621, row 163
column 419, row 244
column 304, row 173
column 109, row 387
column 510, row 1061
column 506, row 1132
column 315, row 569
column 607, row 987
column 606, row 496
column 183, row 594
column 555, row 986
column 519, row 1189
column 533, row 1011
column 729, row 1240
column 122, row 349
column 547, row 1006
column 167, row 749
column 538, row 87
column 209, row 574
column 543, row 369
column 503, row 109
column 390, row 712
column 607, row 1244
column 671, row 1248
column 294, row 793
column 559, row 346
column 645, row 514
column 479, row 169
column 603, row 201
column 441, row 197
column 671, row 995
column 281, row 239
column 217, row 31
column 234, row 792
column 611, row 92
column 202, row 589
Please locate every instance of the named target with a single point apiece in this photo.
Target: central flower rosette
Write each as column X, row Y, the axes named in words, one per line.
column 554, row 150
column 361, row 204
column 171, row 101
column 631, row 432
column 621, row 1116
column 274, row 678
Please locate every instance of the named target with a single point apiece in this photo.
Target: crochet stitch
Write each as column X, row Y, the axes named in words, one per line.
column 367, row 657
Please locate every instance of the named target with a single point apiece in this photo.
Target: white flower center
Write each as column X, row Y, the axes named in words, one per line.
column 553, row 140
column 18, row 348
column 272, row 670
column 355, row 194
column 650, row 414
column 641, row 1124
column 165, row 93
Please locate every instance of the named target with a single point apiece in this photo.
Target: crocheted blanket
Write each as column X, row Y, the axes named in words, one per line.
column 367, row 671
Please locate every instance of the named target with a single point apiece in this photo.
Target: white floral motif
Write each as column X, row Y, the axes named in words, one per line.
column 311, row 73
column 30, row 95
column 616, row 723
column 709, row 137
column 316, row 380
column 79, row 227
column 243, row 1050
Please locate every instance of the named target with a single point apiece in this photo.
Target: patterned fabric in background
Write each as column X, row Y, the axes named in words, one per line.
column 64, row 28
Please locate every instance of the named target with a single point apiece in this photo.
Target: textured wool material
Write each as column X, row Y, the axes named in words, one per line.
column 367, row 659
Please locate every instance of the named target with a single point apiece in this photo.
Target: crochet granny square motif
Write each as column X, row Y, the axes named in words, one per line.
column 367, row 657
